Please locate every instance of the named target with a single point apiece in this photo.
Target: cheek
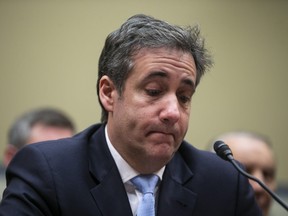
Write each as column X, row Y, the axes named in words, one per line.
column 138, row 118
column 137, row 107
column 129, row 114
column 184, row 122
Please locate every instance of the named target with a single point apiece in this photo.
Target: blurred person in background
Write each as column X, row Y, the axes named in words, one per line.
column 255, row 152
column 36, row 126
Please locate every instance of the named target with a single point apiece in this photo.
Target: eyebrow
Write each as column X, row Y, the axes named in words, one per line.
column 163, row 74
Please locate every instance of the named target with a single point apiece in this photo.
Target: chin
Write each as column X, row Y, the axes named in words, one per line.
column 163, row 157
column 265, row 209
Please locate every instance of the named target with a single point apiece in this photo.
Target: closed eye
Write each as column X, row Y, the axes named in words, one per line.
column 153, row 92
column 184, row 99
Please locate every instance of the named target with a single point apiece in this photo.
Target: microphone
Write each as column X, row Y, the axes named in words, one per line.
column 223, row 151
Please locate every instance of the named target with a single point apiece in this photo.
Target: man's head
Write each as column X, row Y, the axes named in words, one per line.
column 255, row 152
column 138, row 32
column 35, row 126
column 148, row 73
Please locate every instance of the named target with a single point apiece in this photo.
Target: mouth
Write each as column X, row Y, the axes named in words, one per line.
column 163, row 136
column 262, row 202
column 163, row 133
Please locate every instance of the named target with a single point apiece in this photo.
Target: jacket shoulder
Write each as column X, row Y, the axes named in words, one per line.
column 194, row 157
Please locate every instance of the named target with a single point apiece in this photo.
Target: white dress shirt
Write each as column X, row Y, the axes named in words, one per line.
column 127, row 173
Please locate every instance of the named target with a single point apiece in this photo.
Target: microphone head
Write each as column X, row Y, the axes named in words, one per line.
column 223, row 150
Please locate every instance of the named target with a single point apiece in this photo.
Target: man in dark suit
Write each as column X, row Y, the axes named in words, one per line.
column 35, row 125
column 148, row 73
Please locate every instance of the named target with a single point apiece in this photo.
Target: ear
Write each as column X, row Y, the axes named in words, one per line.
column 107, row 93
column 9, row 153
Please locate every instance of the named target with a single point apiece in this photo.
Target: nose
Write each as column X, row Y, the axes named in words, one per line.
column 170, row 112
column 259, row 175
column 256, row 187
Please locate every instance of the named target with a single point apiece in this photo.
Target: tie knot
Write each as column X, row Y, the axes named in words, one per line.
column 145, row 183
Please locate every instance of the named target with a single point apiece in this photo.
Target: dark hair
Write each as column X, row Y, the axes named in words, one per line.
column 20, row 130
column 141, row 31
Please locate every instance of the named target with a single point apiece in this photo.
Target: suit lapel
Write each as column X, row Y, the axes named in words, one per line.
column 111, row 197
column 175, row 195
column 175, row 198
column 109, row 193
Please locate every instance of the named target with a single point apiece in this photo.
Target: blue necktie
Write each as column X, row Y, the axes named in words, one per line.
column 146, row 185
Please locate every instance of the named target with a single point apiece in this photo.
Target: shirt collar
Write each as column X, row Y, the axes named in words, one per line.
column 125, row 170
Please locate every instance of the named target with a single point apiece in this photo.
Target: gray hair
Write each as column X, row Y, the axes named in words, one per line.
column 20, row 130
column 247, row 134
column 141, row 31
column 242, row 134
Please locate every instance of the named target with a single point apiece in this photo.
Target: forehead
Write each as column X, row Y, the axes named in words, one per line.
column 40, row 132
column 163, row 58
column 158, row 53
column 250, row 150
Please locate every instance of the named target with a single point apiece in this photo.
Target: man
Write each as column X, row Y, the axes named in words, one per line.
column 255, row 152
column 35, row 126
column 148, row 73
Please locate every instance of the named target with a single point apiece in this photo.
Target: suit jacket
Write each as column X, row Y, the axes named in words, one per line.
column 78, row 176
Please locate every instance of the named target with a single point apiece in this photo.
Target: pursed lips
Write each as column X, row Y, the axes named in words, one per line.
column 163, row 133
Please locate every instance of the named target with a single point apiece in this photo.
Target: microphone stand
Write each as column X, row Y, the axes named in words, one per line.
column 275, row 196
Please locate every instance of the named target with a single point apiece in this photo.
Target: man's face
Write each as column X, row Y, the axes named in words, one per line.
column 259, row 161
column 148, row 122
column 40, row 132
